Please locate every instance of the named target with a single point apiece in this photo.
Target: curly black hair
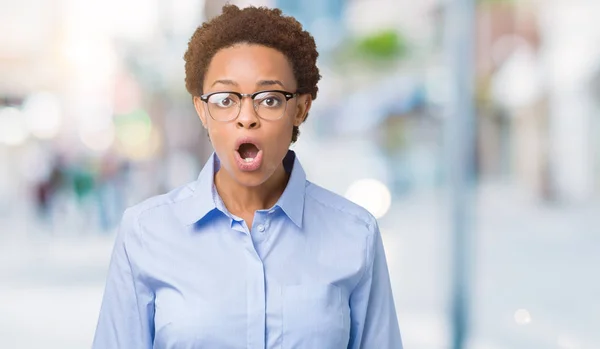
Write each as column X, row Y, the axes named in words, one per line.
column 253, row 25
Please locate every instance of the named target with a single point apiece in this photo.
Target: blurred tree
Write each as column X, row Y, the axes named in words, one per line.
column 385, row 45
column 379, row 51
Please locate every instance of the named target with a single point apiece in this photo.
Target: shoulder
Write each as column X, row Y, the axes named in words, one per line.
column 335, row 205
column 351, row 228
column 154, row 206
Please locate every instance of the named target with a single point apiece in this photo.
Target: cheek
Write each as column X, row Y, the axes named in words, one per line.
column 286, row 128
column 286, row 131
column 280, row 139
column 217, row 138
column 215, row 131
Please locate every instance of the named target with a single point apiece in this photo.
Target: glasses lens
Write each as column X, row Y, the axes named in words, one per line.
column 270, row 105
column 223, row 106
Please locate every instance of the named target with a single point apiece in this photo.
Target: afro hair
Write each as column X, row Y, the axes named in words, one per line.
column 253, row 25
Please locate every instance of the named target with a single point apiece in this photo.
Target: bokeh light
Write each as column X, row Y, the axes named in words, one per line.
column 43, row 115
column 371, row 194
column 137, row 138
column 522, row 317
column 98, row 139
column 133, row 129
column 13, row 129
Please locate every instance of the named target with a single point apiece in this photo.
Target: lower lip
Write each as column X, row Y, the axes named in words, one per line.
column 249, row 166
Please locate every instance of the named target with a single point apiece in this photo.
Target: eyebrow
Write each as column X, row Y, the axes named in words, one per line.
column 270, row 83
column 261, row 83
column 224, row 82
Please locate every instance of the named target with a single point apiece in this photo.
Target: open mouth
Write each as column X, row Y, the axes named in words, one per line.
column 248, row 151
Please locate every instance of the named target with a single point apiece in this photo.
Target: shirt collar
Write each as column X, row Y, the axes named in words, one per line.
column 204, row 200
column 201, row 202
column 292, row 199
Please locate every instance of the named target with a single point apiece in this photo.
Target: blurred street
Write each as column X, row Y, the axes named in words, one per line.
column 95, row 117
column 535, row 272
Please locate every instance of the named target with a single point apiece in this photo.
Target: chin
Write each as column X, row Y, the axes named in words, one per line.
column 245, row 178
column 250, row 179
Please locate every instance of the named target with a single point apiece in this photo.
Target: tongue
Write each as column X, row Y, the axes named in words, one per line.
column 248, row 150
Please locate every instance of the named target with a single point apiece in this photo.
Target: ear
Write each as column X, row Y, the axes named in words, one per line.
column 201, row 111
column 302, row 109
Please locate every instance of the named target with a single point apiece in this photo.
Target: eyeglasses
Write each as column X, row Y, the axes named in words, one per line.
column 226, row 106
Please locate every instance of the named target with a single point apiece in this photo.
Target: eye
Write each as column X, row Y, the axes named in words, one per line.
column 270, row 99
column 223, row 100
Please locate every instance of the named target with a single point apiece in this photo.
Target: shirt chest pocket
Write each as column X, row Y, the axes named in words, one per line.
column 315, row 316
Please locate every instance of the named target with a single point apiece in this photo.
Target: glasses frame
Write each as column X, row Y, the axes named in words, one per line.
column 288, row 95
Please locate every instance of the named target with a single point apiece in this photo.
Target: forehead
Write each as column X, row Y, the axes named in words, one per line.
column 247, row 64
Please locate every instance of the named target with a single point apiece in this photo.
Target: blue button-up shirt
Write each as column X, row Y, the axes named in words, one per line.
column 186, row 273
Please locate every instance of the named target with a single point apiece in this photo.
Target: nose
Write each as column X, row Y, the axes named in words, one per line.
column 247, row 118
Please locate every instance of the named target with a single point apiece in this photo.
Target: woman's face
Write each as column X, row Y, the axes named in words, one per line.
column 249, row 147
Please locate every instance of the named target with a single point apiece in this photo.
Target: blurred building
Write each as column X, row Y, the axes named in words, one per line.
column 94, row 117
column 537, row 98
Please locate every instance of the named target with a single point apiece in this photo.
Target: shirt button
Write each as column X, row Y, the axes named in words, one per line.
column 261, row 228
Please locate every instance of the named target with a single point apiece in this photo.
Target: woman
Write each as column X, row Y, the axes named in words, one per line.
column 251, row 254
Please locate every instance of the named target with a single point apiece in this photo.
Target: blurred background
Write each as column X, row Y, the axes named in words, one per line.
column 94, row 117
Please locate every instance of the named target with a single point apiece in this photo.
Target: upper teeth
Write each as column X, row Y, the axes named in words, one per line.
column 249, row 159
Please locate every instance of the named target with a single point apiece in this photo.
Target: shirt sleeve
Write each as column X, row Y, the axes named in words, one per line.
column 127, row 311
column 374, row 320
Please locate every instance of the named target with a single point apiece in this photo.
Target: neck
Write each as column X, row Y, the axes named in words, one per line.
column 240, row 199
